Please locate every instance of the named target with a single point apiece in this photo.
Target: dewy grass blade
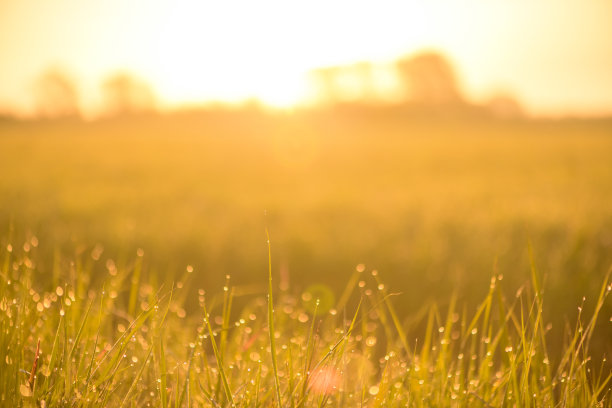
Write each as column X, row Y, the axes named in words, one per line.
column 271, row 324
column 308, row 359
column 163, row 373
column 137, row 377
column 135, row 284
column 226, row 387
column 80, row 332
column 185, row 389
column 53, row 360
column 394, row 317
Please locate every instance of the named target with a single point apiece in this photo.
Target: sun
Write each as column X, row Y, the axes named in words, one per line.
column 200, row 55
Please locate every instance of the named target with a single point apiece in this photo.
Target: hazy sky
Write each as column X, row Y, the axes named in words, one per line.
column 554, row 55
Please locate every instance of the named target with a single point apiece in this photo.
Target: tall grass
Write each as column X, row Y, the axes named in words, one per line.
column 128, row 343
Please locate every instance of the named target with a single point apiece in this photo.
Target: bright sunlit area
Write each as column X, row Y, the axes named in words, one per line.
column 554, row 59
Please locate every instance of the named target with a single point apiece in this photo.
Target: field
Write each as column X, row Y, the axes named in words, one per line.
column 439, row 207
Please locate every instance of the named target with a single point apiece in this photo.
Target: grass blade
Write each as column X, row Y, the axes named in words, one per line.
column 271, row 324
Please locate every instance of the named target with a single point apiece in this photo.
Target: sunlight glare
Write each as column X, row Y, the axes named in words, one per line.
column 202, row 56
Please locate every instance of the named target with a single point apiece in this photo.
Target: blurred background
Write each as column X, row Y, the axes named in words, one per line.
column 432, row 141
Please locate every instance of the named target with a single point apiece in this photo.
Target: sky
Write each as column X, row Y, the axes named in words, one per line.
column 555, row 56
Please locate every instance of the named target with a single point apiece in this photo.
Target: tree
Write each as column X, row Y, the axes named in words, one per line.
column 345, row 83
column 325, row 81
column 429, row 79
column 505, row 106
column 56, row 94
column 124, row 94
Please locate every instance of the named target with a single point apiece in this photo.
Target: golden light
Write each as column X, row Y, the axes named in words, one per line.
column 201, row 56
column 553, row 58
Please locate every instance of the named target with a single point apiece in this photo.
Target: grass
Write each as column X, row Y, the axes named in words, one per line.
column 432, row 202
column 436, row 204
column 81, row 343
column 444, row 207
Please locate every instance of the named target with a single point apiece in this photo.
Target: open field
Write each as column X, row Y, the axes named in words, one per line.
column 431, row 204
column 437, row 206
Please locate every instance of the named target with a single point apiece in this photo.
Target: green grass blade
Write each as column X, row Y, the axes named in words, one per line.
column 137, row 377
column 163, row 373
column 271, row 324
column 226, row 387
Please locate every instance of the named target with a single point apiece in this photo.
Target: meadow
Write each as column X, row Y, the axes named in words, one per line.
column 399, row 225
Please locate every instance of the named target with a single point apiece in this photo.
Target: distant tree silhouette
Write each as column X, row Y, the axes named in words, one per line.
column 429, row 79
column 345, row 83
column 56, row 94
column 364, row 72
column 124, row 94
column 504, row 106
column 326, row 84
